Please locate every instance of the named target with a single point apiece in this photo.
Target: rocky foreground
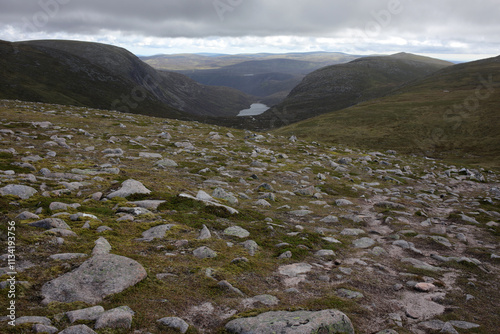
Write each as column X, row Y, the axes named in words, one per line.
column 131, row 224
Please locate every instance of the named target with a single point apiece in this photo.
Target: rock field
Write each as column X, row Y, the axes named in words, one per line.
column 131, row 224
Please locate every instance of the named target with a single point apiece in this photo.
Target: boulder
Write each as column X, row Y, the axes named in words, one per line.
column 326, row 321
column 49, row 223
column 101, row 276
column 130, row 187
column 24, row 192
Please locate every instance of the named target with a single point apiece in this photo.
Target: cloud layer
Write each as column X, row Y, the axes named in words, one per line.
column 444, row 26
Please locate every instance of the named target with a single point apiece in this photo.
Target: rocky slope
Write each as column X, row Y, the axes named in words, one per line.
column 107, row 77
column 131, row 224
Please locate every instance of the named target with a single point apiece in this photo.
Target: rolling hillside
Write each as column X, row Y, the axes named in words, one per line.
column 450, row 114
column 341, row 86
column 107, row 77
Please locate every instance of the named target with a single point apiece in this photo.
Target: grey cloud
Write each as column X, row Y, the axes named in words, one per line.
column 470, row 22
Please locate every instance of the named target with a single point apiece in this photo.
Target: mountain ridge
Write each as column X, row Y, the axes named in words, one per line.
column 450, row 114
column 139, row 87
column 340, row 86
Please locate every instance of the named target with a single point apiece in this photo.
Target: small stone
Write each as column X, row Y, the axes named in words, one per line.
column 293, row 270
column 33, row 320
column 227, row 286
column 237, row 231
column 343, row 202
column 115, row 318
column 205, row 233
column 25, row 215
column 463, row 324
column 325, row 253
column 449, row 329
column 468, row 219
column 425, row 287
column 90, row 313
column 128, row 188
column 363, row 243
column 175, row 323
column 344, row 293
column 78, row 329
column 39, row 328
column 204, row 253
column 251, row 246
column 286, row 255
column 330, row 220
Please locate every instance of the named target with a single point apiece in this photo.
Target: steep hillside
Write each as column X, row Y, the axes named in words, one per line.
column 127, row 224
column 340, row 86
column 105, row 76
column 453, row 113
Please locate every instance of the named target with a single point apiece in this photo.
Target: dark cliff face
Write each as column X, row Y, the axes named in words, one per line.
column 104, row 76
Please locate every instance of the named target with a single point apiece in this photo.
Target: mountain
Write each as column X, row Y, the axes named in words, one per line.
column 450, row 114
column 105, row 76
column 270, row 77
column 340, row 86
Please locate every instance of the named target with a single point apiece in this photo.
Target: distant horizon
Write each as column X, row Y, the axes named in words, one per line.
column 455, row 58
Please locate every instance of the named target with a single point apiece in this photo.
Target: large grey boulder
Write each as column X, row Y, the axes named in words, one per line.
column 24, row 192
column 303, row 322
column 130, row 187
column 101, row 276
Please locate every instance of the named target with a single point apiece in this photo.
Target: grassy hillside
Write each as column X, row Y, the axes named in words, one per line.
column 452, row 114
column 341, row 86
column 107, row 77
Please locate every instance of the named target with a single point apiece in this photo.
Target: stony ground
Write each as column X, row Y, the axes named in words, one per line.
column 130, row 224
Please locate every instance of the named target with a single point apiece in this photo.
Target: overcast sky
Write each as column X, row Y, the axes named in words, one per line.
column 447, row 29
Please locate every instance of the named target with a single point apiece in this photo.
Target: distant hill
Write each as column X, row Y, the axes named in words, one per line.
column 452, row 114
column 107, row 77
column 270, row 77
column 340, row 86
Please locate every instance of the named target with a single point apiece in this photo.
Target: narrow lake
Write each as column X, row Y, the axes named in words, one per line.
column 255, row 109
